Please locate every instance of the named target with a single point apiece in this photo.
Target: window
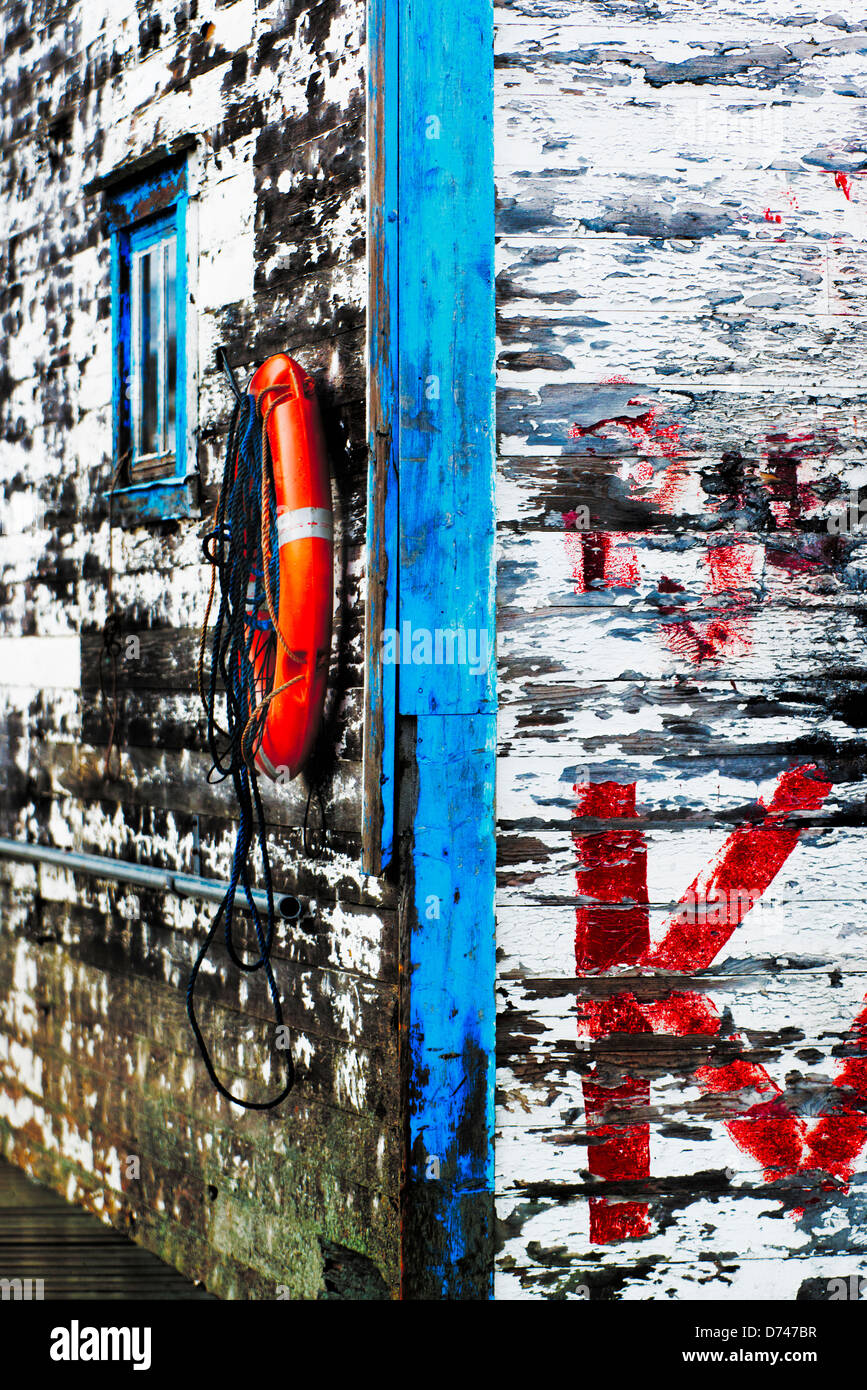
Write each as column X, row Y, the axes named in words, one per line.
column 151, row 389
column 153, row 383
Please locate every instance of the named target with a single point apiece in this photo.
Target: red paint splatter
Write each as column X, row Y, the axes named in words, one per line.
column 842, row 182
column 721, row 630
column 772, row 216
column 770, row 1133
column 733, row 573
column 791, row 563
column 653, row 439
column 732, row 568
column 669, row 586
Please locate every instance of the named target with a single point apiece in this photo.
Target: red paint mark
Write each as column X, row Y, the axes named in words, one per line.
column 722, row 630
column 789, row 496
column 732, row 568
column 614, row 930
column 733, row 575
column 751, row 857
column 791, row 563
column 611, row 931
column 837, row 1140
column 601, row 561
column 617, row 1152
column 770, row 1133
column 643, row 472
column 656, row 439
column 669, row 586
column 653, row 439
column 606, row 561
column 644, row 429
column 842, row 182
column 772, row 216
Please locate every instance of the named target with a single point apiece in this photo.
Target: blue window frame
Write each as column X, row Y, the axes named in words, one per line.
column 152, row 387
column 153, row 460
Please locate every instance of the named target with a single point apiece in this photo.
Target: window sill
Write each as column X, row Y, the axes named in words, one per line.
column 163, row 499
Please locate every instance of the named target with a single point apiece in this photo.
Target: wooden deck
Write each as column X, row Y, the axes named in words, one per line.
column 77, row 1257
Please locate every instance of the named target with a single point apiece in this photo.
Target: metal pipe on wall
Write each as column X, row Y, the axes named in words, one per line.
column 183, row 885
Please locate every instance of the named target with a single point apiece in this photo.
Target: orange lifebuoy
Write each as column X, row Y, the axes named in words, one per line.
column 286, row 400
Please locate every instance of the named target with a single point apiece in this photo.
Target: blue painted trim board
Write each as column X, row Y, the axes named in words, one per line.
column 383, row 429
column 446, row 586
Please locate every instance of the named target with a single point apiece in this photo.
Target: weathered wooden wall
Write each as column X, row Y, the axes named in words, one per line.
column 96, row 1058
column 681, row 330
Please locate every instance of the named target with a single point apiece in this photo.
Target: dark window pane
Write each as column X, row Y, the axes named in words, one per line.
column 171, row 345
column 149, row 319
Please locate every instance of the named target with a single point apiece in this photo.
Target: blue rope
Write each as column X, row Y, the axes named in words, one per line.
column 233, row 546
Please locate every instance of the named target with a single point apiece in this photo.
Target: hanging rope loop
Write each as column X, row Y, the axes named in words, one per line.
column 241, row 548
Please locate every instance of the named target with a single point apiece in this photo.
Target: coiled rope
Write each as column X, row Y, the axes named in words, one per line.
column 242, row 549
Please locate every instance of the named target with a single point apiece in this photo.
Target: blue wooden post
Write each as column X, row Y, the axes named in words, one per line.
column 383, row 429
column 447, row 668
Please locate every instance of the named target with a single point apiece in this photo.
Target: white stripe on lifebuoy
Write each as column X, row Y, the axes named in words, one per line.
column 297, row 525
column 264, row 764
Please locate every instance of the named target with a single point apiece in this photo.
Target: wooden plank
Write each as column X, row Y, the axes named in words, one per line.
column 611, row 276
column 160, row 778
column 592, row 11
column 446, row 373
column 153, row 720
column 540, row 794
column 452, row 1048
column 794, row 925
column 147, row 1035
column 446, row 307
column 162, row 659
column 318, row 999
column 548, row 117
column 70, row 910
column 690, row 573
column 685, row 205
column 122, row 828
column 702, row 715
column 383, row 433
column 595, row 421
column 775, row 644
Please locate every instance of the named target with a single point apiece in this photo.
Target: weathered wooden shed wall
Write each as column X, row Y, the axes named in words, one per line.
column 96, row 1059
column 681, row 412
